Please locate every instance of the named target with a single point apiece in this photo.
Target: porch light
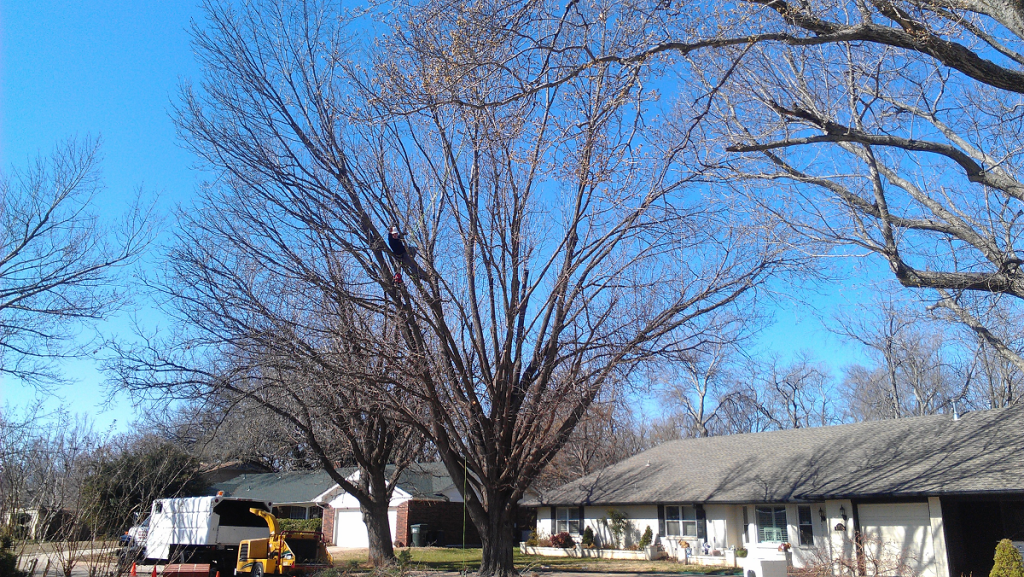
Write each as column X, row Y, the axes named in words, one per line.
column 821, row 513
column 842, row 512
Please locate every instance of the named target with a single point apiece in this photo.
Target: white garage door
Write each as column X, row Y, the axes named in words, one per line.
column 896, row 529
column 350, row 531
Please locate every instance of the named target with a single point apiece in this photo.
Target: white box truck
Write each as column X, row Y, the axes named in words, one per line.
column 203, row 530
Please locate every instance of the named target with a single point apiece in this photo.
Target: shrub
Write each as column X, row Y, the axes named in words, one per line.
column 617, row 522
column 544, row 542
column 647, row 538
column 563, row 540
column 741, row 552
column 532, row 539
column 300, row 524
column 9, row 565
column 404, row 558
column 1008, row 562
column 588, row 537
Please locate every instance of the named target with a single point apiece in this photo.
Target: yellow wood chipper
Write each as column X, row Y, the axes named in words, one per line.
column 283, row 553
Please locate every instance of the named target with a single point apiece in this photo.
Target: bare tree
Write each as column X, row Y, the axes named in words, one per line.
column 538, row 251
column 609, row 433
column 792, row 395
column 51, row 457
column 218, row 429
column 58, row 260
column 915, row 371
column 887, row 128
column 892, row 129
column 997, row 382
column 17, row 428
column 311, row 375
column 698, row 388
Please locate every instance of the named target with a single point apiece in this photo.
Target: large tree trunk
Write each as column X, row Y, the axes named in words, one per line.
column 497, row 539
column 378, row 531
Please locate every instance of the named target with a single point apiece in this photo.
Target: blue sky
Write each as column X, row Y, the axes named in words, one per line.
column 111, row 70
column 102, row 69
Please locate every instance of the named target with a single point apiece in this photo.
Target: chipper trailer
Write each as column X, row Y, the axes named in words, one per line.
column 283, row 552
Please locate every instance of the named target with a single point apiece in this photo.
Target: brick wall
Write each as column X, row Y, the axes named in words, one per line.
column 403, row 534
column 328, row 524
column 440, row 516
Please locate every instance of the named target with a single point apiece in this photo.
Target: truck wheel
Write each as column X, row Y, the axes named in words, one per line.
column 257, row 570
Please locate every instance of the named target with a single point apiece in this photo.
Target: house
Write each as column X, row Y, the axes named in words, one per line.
column 937, row 490
column 295, row 494
column 48, row 524
column 424, row 496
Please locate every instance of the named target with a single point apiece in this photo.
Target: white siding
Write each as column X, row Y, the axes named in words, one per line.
column 914, row 527
column 639, row 517
column 720, row 520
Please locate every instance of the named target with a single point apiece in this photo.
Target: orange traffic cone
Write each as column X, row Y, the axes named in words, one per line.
column 154, row 570
column 218, row 574
column 134, row 574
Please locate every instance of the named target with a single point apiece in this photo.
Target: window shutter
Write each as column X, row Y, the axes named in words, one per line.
column 702, row 523
column 661, row 520
column 583, row 520
column 553, row 520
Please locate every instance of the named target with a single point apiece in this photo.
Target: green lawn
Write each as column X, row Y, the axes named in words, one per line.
column 440, row 559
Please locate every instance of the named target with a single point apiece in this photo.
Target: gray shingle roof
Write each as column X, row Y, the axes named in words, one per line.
column 278, row 488
column 934, row 455
column 421, row 480
column 425, row 480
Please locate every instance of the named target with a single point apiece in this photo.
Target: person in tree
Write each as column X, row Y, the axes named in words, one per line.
column 395, row 242
column 404, row 257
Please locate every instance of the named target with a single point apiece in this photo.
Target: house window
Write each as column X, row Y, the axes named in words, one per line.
column 567, row 519
column 297, row 513
column 680, row 521
column 806, row 526
column 771, row 525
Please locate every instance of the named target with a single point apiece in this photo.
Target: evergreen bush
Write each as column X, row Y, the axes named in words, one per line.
column 1008, row 562
column 647, row 538
column 9, row 565
column 532, row 540
column 588, row 537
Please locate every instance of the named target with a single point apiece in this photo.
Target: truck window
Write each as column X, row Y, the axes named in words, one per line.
column 237, row 514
